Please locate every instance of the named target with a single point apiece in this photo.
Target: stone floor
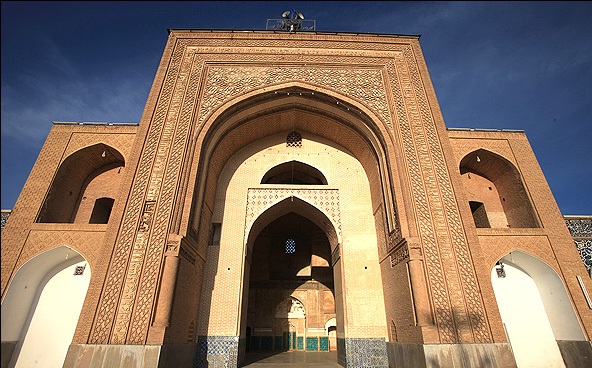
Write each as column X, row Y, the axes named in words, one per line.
column 309, row 359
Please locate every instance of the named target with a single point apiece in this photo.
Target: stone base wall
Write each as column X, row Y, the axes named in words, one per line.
column 6, row 353
column 451, row 355
column 576, row 354
column 130, row 356
column 103, row 356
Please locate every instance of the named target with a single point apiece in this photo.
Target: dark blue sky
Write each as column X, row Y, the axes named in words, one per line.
column 494, row 65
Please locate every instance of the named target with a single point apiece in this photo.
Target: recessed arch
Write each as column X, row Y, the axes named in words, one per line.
column 236, row 145
column 496, row 184
column 42, row 305
column 98, row 165
column 287, row 287
column 298, row 206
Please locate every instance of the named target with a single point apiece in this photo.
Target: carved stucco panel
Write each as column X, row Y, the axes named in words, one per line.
column 225, row 81
column 458, row 306
column 178, row 138
column 116, row 305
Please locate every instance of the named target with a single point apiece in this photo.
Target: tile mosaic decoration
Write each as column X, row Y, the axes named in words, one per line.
column 323, row 343
column 217, row 351
column 364, row 353
column 581, row 230
column 312, row 344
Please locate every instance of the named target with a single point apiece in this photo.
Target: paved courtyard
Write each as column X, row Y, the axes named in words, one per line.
column 312, row 359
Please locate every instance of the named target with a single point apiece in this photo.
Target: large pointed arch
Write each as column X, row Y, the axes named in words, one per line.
column 222, row 172
column 245, row 119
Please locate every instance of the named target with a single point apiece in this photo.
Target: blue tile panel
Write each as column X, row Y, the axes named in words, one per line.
column 361, row 352
column 278, row 343
column 300, row 344
column 323, row 343
column 217, row 351
column 312, row 344
column 267, row 343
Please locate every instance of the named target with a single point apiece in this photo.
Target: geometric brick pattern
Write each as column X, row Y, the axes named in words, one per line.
column 260, row 199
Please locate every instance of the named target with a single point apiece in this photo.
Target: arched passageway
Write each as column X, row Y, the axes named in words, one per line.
column 535, row 309
column 291, row 295
column 41, row 308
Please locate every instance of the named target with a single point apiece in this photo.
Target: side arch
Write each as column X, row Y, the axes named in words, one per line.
column 42, row 305
column 536, row 310
column 496, row 191
column 97, row 166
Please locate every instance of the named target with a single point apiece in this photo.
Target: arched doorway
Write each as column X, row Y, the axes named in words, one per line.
column 536, row 311
column 41, row 308
column 290, row 286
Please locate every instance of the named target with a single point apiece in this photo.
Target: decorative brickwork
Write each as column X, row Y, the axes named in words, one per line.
column 218, row 118
column 260, row 199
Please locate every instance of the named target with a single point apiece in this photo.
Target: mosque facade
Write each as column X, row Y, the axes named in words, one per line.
column 291, row 191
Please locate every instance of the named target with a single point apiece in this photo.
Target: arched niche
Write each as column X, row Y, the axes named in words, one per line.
column 496, row 191
column 294, row 172
column 84, row 176
column 42, row 305
column 535, row 308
